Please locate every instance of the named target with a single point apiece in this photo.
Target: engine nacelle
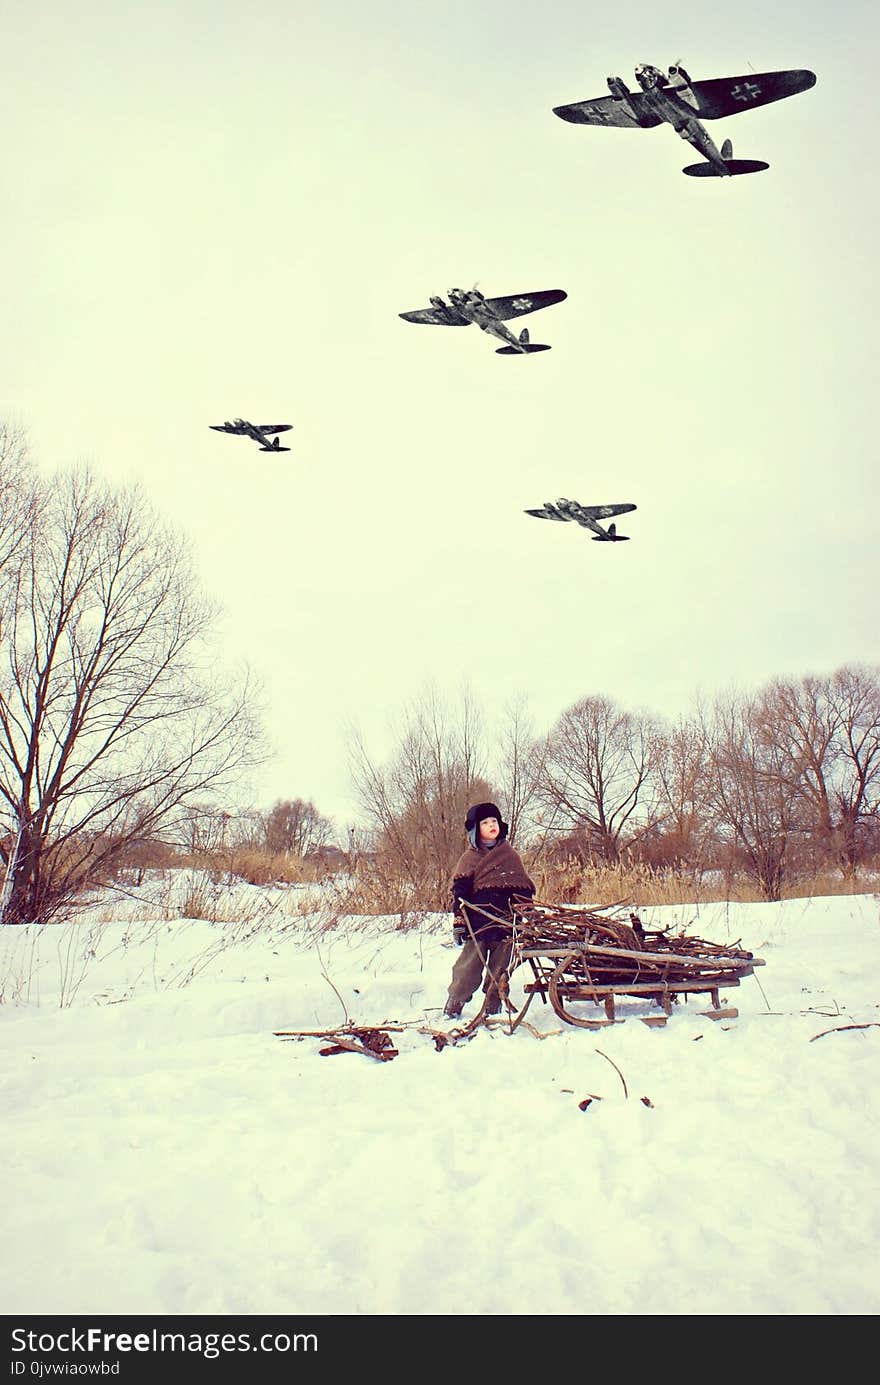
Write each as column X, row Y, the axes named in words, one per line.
column 619, row 89
column 436, row 302
column 682, row 85
column 621, row 92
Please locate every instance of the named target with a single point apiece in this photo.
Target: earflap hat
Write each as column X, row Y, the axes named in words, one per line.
column 475, row 815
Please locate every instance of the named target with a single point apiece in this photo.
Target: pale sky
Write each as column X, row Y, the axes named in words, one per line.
column 213, row 211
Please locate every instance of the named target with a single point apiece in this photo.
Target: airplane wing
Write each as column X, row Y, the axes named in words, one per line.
column 445, row 317
column 548, row 512
column 607, row 110
column 727, row 95
column 273, row 427
column 517, row 304
column 605, row 511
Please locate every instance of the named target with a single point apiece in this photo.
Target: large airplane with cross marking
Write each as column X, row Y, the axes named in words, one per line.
column 675, row 100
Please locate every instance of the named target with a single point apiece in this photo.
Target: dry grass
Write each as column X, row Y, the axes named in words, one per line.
column 572, row 883
column 187, row 893
column 834, row 882
column 374, row 897
column 644, row 885
column 376, row 889
column 257, row 865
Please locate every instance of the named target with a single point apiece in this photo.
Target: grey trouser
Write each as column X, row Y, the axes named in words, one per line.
column 468, row 969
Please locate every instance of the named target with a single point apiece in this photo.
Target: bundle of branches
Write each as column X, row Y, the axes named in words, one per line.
column 617, row 950
column 556, row 925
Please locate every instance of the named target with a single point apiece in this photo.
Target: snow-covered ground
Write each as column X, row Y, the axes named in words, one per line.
column 165, row 1153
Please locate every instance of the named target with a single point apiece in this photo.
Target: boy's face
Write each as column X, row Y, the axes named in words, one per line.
column 489, row 829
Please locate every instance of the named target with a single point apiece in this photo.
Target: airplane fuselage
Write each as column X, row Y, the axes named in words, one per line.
column 574, row 511
column 587, row 517
column 259, row 436
column 671, row 109
column 472, row 305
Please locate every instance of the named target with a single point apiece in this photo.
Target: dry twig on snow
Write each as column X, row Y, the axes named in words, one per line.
column 840, row 1027
column 373, row 1041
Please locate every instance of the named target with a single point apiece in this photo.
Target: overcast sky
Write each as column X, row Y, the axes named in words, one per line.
column 211, row 211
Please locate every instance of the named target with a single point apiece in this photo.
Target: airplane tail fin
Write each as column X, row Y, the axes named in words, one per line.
column 611, row 536
column 733, row 166
column 525, row 346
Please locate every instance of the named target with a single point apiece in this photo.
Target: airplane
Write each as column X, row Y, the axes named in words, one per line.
column 490, row 314
column 587, row 515
column 258, row 431
column 682, row 103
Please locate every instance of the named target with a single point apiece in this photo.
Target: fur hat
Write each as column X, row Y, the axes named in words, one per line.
column 475, row 815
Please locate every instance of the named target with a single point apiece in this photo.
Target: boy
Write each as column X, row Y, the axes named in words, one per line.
column 490, row 874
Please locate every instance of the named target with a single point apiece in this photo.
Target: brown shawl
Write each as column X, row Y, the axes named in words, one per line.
column 498, row 869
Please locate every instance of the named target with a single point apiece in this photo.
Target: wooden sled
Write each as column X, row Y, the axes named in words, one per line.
column 577, row 955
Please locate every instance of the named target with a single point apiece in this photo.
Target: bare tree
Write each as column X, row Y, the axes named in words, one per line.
column 204, row 829
column 294, row 826
column 19, row 502
column 683, row 768
column 827, row 732
column 598, row 776
column 758, row 806
column 417, row 803
column 520, row 758
column 855, row 692
column 110, row 719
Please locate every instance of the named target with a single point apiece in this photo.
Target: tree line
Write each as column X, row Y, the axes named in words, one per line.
column 772, row 785
column 118, row 735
